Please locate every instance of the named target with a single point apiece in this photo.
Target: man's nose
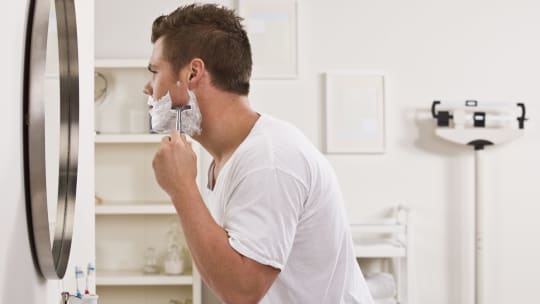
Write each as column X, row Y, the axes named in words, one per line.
column 148, row 89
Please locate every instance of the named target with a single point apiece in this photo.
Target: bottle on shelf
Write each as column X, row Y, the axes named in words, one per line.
column 174, row 263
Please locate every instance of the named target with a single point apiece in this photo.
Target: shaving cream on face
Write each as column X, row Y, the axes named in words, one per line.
column 164, row 117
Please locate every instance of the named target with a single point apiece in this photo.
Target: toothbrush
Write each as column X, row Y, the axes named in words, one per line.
column 89, row 276
column 79, row 273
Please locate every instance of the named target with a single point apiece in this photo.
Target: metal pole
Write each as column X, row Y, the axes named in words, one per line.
column 479, row 229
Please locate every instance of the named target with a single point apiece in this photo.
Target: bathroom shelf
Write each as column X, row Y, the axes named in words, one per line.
column 378, row 228
column 131, row 138
column 136, row 278
column 108, row 208
column 389, row 240
column 379, row 249
column 134, row 213
column 128, row 138
column 121, row 63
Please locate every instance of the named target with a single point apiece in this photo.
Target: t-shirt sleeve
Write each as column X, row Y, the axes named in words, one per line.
column 262, row 214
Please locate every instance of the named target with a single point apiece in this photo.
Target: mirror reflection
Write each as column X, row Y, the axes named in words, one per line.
column 52, row 122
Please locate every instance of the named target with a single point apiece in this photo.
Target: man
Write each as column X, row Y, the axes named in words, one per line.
column 276, row 231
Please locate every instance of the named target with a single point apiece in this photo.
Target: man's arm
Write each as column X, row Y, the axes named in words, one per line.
column 234, row 277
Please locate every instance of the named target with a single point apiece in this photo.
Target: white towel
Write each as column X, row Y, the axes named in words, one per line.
column 386, row 301
column 381, row 285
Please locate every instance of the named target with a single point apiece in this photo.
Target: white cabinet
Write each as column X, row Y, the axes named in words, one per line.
column 132, row 212
column 388, row 241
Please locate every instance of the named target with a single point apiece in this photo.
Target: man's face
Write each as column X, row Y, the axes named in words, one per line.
column 163, row 78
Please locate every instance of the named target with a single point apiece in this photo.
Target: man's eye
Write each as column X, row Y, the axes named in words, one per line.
column 150, row 69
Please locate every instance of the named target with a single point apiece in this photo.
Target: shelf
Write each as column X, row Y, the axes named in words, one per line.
column 377, row 228
column 130, row 278
column 132, row 138
column 109, row 208
column 379, row 248
column 134, row 213
column 121, row 63
column 128, row 138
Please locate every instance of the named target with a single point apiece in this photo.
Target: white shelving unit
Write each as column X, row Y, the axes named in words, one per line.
column 132, row 212
column 379, row 249
column 128, row 138
column 390, row 241
column 115, row 208
column 134, row 278
column 121, row 63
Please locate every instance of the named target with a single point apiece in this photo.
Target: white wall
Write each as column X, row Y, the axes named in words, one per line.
column 18, row 275
column 20, row 281
column 486, row 50
column 429, row 50
column 432, row 49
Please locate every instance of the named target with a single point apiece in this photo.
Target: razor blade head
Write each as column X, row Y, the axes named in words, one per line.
column 182, row 108
column 179, row 111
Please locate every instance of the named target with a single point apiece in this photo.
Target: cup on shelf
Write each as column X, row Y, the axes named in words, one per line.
column 150, row 265
column 86, row 299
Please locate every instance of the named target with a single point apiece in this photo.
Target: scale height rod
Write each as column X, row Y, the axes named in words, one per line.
column 479, row 228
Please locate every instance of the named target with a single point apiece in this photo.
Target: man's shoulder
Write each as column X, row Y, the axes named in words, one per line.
column 275, row 142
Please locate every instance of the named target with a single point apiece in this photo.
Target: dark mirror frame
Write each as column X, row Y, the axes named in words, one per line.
column 51, row 259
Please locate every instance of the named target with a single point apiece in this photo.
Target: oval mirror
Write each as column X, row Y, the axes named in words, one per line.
column 51, row 135
column 52, row 122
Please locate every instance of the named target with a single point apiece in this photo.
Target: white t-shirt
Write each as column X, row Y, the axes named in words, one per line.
column 280, row 203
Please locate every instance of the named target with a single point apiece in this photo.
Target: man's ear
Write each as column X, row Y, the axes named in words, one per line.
column 196, row 71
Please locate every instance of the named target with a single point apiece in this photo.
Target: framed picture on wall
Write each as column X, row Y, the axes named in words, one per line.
column 354, row 113
column 272, row 30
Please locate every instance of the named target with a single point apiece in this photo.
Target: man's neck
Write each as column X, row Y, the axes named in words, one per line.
column 226, row 123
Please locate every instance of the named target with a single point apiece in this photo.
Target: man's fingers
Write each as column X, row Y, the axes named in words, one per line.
column 166, row 139
column 175, row 136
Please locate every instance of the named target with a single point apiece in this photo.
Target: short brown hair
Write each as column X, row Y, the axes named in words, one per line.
column 214, row 34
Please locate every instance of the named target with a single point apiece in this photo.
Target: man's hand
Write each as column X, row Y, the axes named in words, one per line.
column 175, row 164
